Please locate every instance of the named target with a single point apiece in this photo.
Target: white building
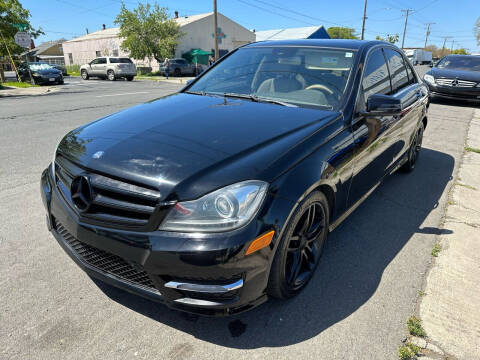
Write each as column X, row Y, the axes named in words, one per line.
column 198, row 30
column 308, row 32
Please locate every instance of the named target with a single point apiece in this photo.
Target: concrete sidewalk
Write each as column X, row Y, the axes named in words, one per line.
column 31, row 91
column 450, row 309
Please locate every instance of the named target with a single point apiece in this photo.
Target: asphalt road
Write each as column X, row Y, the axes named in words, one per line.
column 354, row 308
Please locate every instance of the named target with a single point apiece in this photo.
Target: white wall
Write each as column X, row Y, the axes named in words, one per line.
column 198, row 35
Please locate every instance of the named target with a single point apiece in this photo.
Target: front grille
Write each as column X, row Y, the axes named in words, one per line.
column 461, row 83
column 104, row 261
column 113, row 201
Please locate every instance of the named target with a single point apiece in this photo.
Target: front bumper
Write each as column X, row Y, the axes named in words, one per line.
column 455, row 93
column 204, row 274
column 46, row 79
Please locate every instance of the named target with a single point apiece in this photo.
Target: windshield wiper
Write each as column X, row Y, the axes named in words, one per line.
column 258, row 99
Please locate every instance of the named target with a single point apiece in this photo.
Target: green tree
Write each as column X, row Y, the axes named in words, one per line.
column 148, row 32
column 389, row 38
column 338, row 32
column 12, row 13
column 460, row 51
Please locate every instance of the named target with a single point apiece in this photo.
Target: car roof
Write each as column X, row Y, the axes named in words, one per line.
column 330, row 43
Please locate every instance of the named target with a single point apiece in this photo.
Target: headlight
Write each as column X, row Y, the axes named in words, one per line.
column 222, row 210
column 429, row 79
column 35, row 74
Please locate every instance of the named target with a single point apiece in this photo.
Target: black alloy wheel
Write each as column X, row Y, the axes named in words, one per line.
column 414, row 151
column 300, row 248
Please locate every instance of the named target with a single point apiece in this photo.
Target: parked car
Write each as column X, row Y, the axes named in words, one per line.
column 42, row 73
column 455, row 77
column 109, row 67
column 61, row 68
column 179, row 67
column 217, row 197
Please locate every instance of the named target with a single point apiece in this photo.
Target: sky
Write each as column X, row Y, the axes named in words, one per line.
column 455, row 19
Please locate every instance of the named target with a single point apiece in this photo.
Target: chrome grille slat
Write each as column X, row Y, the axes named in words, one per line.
column 114, row 202
column 461, row 83
column 104, row 261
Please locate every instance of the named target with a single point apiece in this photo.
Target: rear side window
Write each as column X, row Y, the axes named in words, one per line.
column 398, row 71
column 411, row 74
column 375, row 76
column 120, row 61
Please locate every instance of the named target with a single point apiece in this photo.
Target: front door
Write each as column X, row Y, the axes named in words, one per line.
column 375, row 144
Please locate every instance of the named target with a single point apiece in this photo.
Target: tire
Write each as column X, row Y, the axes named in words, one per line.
column 177, row 72
column 129, row 78
column 60, row 82
column 110, row 75
column 413, row 151
column 84, row 74
column 300, row 242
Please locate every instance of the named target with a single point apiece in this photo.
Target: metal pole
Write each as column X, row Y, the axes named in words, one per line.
column 405, row 26
column 10, row 55
column 364, row 18
column 215, row 24
column 451, row 48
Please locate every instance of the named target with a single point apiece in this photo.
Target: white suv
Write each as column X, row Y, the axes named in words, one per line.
column 109, row 67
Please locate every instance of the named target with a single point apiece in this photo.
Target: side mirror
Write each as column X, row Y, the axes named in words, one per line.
column 383, row 105
column 431, row 65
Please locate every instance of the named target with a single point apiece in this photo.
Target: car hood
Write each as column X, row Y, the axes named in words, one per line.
column 47, row 72
column 186, row 145
column 452, row 74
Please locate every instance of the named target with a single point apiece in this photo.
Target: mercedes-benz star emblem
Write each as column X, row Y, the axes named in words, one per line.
column 81, row 193
column 455, row 82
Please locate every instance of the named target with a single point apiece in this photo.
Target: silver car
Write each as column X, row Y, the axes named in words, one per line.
column 109, row 67
column 178, row 67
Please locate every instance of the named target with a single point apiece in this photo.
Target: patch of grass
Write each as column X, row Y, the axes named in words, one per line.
column 451, row 202
column 436, row 249
column 17, row 84
column 73, row 70
column 421, row 293
column 415, row 327
column 472, row 149
column 408, row 351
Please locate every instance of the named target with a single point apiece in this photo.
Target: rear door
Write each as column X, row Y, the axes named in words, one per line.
column 406, row 87
column 372, row 134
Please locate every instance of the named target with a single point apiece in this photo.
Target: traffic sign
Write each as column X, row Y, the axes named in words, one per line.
column 22, row 39
column 21, row 27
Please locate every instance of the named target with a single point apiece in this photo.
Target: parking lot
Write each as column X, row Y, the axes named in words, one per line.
column 354, row 308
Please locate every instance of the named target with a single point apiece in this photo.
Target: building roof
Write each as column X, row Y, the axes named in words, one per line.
column 40, row 49
column 287, row 34
column 113, row 32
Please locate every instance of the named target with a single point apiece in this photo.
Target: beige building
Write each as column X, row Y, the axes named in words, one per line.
column 198, row 34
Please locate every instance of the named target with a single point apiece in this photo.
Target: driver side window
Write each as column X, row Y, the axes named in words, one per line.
column 376, row 79
column 94, row 62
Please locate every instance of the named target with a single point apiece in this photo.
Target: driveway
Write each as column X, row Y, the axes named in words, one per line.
column 354, row 308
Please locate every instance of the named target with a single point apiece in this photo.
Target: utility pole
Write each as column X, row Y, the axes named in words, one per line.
column 445, row 38
column 364, row 18
column 451, row 48
column 407, row 11
column 216, row 27
column 427, row 33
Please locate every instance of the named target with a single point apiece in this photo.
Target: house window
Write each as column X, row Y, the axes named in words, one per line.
column 115, row 52
column 70, row 58
column 98, row 53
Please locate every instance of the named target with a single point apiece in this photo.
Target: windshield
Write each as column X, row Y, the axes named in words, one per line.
column 38, row 67
column 302, row 76
column 469, row 63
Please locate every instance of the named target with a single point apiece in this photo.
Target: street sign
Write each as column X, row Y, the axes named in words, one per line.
column 21, row 27
column 22, row 39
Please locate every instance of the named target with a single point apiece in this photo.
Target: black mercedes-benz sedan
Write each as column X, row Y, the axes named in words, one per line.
column 455, row 77
column 219, row 196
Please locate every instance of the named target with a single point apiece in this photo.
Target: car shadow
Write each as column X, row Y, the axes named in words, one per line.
column 352, row 266
column 451, row 102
